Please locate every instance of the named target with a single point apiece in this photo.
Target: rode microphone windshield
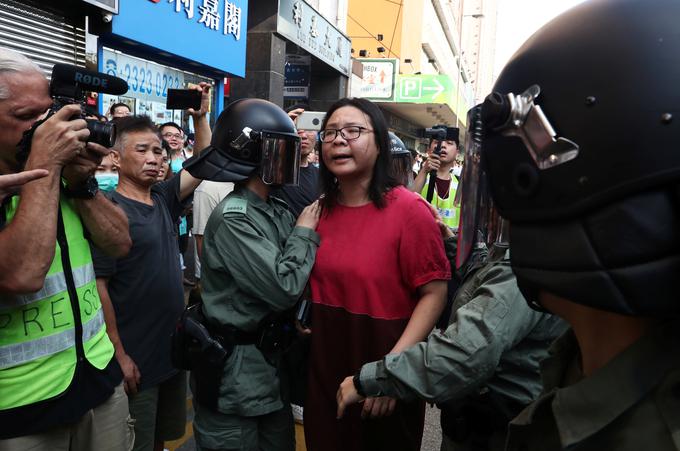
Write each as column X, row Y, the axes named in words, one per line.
column 67, row 80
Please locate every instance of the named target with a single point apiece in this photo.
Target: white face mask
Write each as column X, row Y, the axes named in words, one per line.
column 457, row 170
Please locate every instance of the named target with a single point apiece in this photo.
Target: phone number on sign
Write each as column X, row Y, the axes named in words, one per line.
column 142, row 80
column 147, row 81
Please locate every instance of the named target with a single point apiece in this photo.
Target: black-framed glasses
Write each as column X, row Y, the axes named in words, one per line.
column 169, row 135
column 348, row 133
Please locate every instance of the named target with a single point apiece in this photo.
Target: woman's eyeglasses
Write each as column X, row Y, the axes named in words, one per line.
column 348, row 133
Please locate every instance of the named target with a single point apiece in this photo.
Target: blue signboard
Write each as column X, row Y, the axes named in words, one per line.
column 146, row 80
column 210, row 32
column 297, row 74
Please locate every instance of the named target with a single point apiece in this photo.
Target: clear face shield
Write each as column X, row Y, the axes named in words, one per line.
column 511, row 115
column 470, row 189
column 280, row 158
column 497, row 228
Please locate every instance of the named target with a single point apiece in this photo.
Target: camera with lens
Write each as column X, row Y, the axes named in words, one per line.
column 70, row 84
column 441, row 133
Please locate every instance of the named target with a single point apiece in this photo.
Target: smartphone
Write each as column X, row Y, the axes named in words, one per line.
column 182, row 99
column 310, row 120
column 304, row 313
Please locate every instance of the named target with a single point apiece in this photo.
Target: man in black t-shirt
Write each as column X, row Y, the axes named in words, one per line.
column 143, row 291
column 307, row 190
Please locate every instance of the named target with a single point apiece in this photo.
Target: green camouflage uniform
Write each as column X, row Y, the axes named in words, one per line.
column 485, row 364
column 255, row 262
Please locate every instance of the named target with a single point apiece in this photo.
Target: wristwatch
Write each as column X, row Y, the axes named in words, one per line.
column 86, row 190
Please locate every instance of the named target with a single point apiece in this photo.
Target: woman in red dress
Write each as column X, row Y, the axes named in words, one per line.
column 378, row 284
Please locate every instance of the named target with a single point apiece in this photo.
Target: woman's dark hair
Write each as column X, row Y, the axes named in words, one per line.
column 381, row 180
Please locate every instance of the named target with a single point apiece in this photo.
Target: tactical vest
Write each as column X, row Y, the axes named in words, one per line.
column 43, row 335
column 447, row 210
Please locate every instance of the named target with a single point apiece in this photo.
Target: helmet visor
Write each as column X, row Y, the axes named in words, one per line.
column 280, row 159
column 471, row 189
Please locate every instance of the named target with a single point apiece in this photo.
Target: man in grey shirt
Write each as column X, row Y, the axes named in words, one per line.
column 206, row 197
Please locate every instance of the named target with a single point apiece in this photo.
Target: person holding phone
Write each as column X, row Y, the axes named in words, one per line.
column 307, row 190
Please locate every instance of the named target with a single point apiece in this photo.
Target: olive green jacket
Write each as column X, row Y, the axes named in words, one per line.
column 255, row 262
column 494, row 342
column 630, row 404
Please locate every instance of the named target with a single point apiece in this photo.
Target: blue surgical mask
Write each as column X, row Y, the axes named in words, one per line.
column 108, row 181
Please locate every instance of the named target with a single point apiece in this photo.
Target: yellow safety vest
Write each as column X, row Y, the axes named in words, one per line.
column 42, row 335
column 449, row 213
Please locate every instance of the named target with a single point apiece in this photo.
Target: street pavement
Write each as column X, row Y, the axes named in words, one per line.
column 432, row 435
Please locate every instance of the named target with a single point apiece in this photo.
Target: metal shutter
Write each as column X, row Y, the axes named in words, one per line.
column 43, row 36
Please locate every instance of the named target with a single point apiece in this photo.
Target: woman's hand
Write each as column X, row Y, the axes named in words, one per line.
column 378, row 407
column 310, row 216
column 346, row 396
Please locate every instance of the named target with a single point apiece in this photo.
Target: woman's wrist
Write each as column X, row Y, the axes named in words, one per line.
column 356, row 380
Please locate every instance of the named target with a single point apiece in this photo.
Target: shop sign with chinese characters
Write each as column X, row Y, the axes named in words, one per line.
column 303, row 25
column 203, row 31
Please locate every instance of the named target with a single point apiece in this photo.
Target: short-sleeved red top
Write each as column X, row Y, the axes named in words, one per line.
column 364, row 287
column 371, row 261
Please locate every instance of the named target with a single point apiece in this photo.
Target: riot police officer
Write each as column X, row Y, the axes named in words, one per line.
column 583, row 160
column 401, row 165
column 256, row 262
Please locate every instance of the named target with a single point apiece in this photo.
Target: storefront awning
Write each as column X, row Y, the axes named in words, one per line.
column 422, row 114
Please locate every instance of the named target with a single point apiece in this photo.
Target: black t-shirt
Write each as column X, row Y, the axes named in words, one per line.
column 146, row 285
column 307, row 191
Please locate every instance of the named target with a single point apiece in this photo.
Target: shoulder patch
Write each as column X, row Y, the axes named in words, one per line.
column 235, row 205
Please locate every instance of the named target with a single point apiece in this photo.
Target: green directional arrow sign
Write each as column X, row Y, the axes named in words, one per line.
column 425, row 89
column 438, row 89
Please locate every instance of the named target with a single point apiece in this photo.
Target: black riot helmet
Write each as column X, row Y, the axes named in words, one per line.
column 250, row 135
column 401, row 165
column 580, row 144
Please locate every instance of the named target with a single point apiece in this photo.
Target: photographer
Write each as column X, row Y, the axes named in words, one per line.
column 445, row 184
column 59, row 380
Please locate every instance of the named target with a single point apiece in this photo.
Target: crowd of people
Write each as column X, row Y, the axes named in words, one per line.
column 531, row 296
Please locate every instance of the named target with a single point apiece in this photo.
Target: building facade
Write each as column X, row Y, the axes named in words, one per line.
column 154, row 45
column 297, row 53
column 426, row 41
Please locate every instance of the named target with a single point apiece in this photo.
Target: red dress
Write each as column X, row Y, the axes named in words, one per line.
column 364, row 288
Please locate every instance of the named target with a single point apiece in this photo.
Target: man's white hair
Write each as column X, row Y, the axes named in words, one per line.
column 14, row 62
